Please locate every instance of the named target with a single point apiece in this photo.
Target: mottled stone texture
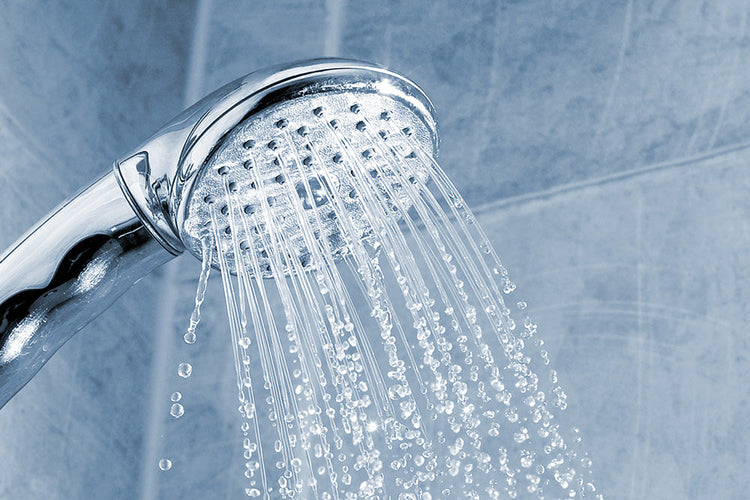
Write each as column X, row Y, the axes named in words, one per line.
column 602, row 142
column 538, row 93
column 640, row 289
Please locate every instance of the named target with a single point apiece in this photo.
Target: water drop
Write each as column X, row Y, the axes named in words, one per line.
column 176, row 396
column 165, row 464
column 177, row 410
column 184, row 370
column 527, row 458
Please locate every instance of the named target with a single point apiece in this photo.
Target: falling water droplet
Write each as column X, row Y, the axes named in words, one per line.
column 177, row 410
column 176, row 396
column 334, row 415
column 165, row 464
column 184, row 370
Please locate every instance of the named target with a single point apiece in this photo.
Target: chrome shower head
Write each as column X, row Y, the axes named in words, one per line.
column 270, row 128
column 248, row 138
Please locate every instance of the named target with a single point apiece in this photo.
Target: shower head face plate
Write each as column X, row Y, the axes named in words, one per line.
column 295, row 165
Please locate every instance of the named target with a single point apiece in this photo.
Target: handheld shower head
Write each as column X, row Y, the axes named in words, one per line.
column 284, row 126
column 241, row 134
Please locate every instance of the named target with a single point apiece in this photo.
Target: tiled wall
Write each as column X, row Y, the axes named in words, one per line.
column 603, row 143
column 80, row 84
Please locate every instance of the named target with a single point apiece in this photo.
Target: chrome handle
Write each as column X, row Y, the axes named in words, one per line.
column 64, row 272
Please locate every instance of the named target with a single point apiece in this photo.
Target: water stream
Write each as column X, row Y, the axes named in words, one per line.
column 396, row 365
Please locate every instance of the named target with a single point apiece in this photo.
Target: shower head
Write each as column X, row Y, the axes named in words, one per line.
column 283, row 125
column 287, row 126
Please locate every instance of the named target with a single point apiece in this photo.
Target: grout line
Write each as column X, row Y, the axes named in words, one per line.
column 730, row 86
column 166, row 308
column 335, row 14
column 608, row 179
column 639, row 449
column 625, row 39
column 196, row 73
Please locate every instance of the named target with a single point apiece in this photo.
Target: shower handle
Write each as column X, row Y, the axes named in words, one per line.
column 65, row 271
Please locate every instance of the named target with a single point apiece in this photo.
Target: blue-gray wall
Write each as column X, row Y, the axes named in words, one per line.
column 602, row 143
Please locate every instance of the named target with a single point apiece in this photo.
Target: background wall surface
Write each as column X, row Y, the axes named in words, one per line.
column 604, row 146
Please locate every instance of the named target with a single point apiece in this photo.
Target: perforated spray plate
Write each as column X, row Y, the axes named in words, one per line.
column 299, row 154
